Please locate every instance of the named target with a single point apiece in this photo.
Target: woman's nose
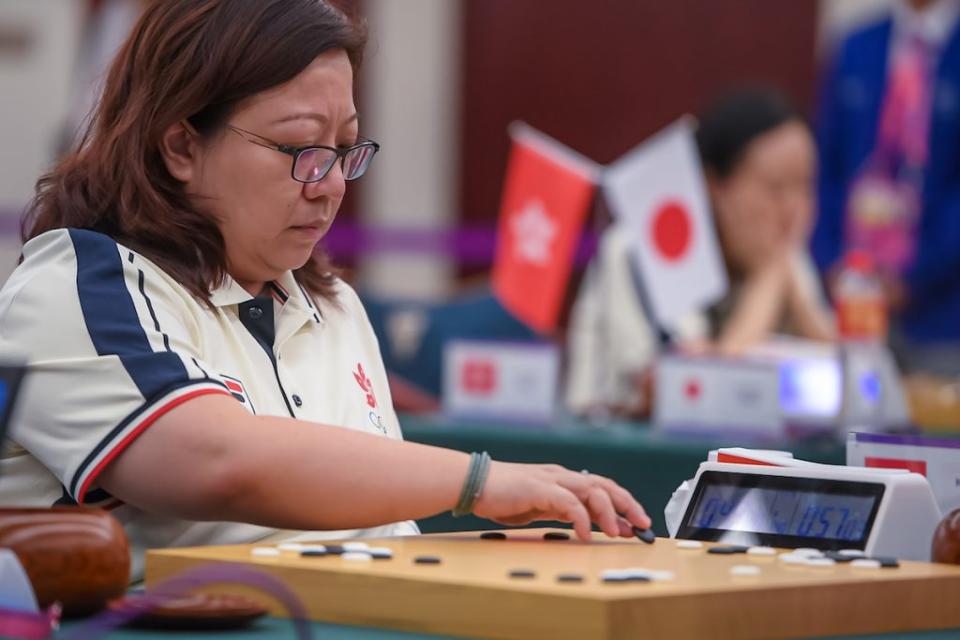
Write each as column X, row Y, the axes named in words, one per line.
column 331, row 186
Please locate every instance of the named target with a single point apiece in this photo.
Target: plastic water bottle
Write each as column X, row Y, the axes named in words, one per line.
column 861, row 305
column 862, row 327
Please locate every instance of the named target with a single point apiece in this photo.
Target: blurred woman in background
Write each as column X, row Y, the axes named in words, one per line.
column 759, row 162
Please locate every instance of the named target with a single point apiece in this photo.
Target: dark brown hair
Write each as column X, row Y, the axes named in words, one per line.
column 185, row 60
column 728, row 126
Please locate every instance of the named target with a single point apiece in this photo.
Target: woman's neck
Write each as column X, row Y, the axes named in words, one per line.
column 254, row 288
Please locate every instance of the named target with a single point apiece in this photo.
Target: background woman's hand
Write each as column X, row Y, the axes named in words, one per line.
column 517, row 494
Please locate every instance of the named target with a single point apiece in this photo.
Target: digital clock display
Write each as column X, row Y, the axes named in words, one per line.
column 784, row 511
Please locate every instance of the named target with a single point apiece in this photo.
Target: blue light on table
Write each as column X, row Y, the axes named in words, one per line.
column 811, row 387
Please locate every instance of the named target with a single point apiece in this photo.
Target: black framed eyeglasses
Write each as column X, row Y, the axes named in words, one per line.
column 313, row 163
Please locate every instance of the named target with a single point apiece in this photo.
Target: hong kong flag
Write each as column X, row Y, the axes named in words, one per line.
column 657, row 192
column 546, row 196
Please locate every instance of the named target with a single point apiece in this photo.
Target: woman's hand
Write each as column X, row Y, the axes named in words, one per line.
column 517, row 494
column 758, row 309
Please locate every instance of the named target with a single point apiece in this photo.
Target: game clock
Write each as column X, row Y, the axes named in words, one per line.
column 781, row 511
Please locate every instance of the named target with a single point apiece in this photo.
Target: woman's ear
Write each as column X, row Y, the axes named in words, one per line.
column 180, row 151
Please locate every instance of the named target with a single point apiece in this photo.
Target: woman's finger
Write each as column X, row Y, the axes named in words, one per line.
column 569, row 508
column 626, row 505
column 602, row 511
column 626, row 528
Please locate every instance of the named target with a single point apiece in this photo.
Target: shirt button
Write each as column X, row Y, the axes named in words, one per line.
column 297, row 400
column 255, row 313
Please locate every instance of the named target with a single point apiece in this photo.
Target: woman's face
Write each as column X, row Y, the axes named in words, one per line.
column 270, row 222
column 765, row 207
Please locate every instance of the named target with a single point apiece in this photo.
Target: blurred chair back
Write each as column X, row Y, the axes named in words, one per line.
column 412, row 334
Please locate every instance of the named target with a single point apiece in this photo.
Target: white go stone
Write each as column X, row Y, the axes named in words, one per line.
column 265, row 552
column 820, row 562
column 761, row 551
column 637, row 572
column 295, row 547
column 614, row 574
column 807, row 552
column 852, row 553
column 865, row 563
column 661, row 575
column 383, row 552
column 355, row 546
column 689, row 544
column 744, row 570
column 792, row 558
column 356, row 556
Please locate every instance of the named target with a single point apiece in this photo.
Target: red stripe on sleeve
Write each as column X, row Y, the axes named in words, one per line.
column 130, row 437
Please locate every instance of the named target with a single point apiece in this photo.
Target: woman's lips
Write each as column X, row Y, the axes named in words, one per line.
column 311, row 230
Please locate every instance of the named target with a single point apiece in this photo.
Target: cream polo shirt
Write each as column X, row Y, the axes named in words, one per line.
column 114, row 343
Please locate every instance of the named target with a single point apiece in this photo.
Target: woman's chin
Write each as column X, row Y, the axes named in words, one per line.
column 291, row 260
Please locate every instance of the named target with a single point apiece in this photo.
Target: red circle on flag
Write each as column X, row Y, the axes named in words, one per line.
column 672, row 230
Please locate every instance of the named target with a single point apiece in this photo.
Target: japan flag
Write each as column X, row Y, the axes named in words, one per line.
column 546, row 198
column 657, row 192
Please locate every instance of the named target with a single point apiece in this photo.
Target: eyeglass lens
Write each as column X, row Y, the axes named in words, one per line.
column 313, row 164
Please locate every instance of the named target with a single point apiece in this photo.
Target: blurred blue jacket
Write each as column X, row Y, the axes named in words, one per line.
column 848, row 117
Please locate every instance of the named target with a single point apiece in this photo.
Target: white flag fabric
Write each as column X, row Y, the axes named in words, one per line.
column 657, row 192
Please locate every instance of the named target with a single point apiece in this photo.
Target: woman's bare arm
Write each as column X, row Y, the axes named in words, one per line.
column 209, row 459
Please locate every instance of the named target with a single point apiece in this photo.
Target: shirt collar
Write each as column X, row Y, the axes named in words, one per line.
column 933, row 24
column 285, row 289
column 229, row 292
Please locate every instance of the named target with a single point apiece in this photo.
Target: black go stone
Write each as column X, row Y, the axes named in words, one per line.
column 647, row 535
column 637, row 579
column 523, row 573
column 888, row 563
column 556, row 535
column 427, row 560
column 838, row 557
column 627, row 579
column 312, row 553
column 569, row 577
column 493, row 535
column 727, row 550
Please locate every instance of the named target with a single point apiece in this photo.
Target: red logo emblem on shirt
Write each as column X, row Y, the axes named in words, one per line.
column 236, row 388
column 365, row 385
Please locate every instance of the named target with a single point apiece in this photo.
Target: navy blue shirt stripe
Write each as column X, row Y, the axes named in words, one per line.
column 111, row 317
column 156, row 323
column 306, row 296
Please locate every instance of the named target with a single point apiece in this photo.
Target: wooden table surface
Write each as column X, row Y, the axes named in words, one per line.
column 471, row 593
